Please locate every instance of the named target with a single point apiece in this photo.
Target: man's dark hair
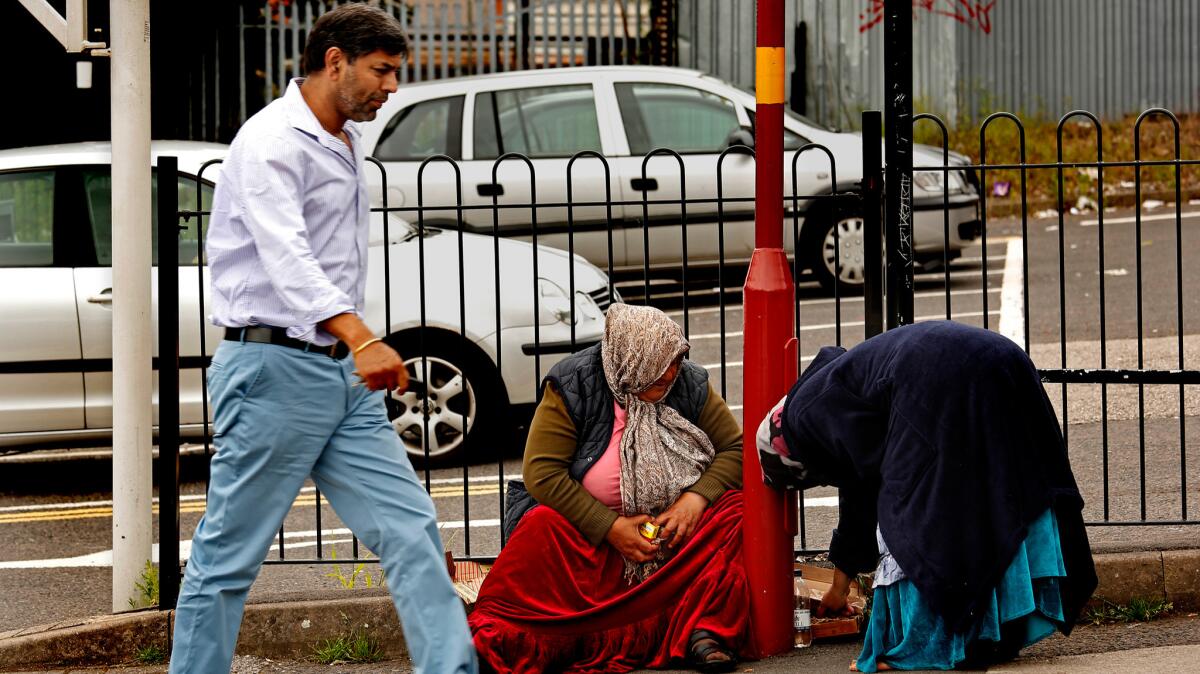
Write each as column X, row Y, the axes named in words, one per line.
column 355, row 28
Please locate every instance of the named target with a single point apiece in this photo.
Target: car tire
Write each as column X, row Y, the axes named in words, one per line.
column 820, row 250
column 464, row 396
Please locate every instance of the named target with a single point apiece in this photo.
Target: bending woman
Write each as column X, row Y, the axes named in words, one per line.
column 953, row 484
column 627, row 432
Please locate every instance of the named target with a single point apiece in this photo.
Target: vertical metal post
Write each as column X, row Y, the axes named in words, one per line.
column 132, row 527
column 897, row 58
column 525, row 41
column 768, row 327
column 872, row 196
column 168, row 381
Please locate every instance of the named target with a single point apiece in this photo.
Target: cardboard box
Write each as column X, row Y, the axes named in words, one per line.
column 468, row 578
column 819, row 580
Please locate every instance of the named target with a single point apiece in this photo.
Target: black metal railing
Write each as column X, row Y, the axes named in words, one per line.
column 486, row 278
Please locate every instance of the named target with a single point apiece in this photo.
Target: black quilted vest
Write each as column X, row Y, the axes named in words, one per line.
column 579, row 379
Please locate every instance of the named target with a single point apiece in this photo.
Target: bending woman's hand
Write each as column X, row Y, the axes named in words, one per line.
column 834, row 602
column 623, row 535
column 679, row 521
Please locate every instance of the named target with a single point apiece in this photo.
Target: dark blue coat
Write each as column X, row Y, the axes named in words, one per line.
column 943, row 435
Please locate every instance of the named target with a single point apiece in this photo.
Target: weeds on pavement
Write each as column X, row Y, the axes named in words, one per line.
column 147, row 588
column 1137, row 610
column 358, row 574
column 150, row 655
column 357, row 647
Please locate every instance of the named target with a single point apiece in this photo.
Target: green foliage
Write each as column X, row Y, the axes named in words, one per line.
column 1137, row 610
column 147, row 588
column 358, row 574
column 1001, row 144
column 150, row 655
column 357, row 647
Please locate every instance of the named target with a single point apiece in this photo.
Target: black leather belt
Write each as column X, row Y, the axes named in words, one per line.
column 278, row 336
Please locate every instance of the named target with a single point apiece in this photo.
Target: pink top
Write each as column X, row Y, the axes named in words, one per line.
column 604, row 479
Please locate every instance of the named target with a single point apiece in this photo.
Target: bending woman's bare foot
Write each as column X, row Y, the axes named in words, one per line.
column 883, row 666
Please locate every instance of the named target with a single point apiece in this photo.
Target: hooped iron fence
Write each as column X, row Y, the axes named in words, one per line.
column 523, row 305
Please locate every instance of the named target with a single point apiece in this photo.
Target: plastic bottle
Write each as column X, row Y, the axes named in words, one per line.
column 801, row 615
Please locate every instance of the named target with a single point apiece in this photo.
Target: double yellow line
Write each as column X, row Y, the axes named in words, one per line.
column 307, row 500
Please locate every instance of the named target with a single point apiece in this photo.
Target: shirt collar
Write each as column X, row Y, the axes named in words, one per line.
column 301, row 117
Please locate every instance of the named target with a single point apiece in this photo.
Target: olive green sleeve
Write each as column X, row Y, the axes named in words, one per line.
column 718, row 422
column 548, row 453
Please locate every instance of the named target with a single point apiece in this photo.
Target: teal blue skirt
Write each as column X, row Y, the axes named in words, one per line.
column 906, row 634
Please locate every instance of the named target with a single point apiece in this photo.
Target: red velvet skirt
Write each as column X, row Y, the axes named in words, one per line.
column 555, row 603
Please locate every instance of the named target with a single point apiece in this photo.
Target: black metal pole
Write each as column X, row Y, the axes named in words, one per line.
column 168, row 381
column 526, row 42
column 898, row 214
column 872, row 195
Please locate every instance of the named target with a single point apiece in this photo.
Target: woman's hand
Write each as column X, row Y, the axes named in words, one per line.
column 834, row 602
column 679, row 521
column 623, row 535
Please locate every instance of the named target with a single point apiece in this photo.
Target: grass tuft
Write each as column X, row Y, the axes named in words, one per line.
column 150, row 655
column 356, row 648
column 1137, row 610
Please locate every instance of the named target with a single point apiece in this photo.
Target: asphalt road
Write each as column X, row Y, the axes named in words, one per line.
column 55, row 517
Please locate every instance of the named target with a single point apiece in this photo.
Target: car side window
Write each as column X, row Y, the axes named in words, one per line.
column 684, row 119
column 791, row 140
column 97, row 184
column 536, row 122
column 422, row 130
column 27, row 219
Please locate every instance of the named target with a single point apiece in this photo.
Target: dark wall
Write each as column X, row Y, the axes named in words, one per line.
column 41, row 104
column 188, row 40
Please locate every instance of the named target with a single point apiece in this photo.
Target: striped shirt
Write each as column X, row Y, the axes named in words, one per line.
column 287, row 244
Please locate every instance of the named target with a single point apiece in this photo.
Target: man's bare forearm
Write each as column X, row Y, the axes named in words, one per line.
column 348, row 328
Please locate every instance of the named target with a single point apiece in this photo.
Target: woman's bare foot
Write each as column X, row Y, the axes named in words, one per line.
column 883, row 666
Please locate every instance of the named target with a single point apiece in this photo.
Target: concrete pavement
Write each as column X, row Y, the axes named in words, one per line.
column 288, row 630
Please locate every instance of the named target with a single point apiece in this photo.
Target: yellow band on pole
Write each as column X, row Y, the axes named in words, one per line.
column 768, row 75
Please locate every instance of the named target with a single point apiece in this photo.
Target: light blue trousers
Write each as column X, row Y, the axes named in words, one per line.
column 281, row 415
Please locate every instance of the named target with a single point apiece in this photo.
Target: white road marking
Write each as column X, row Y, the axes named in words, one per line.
column 1012, row 305
column 1145, row 218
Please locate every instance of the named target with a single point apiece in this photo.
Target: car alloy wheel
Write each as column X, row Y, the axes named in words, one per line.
column 446, row 406
column 848, row 250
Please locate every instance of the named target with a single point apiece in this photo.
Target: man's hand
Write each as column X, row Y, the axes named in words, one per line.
column 381, row 368
column 834, row 602
column 378, row 365
column 623, row 535
column 679, row 521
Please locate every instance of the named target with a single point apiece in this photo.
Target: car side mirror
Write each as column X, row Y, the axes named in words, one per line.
column 740, row 136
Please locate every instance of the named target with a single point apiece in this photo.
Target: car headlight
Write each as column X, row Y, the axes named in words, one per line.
column 554, row 305
column 586, row 308
column 931, row 180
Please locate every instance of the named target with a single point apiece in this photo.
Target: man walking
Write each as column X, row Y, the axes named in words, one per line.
column 298, row 383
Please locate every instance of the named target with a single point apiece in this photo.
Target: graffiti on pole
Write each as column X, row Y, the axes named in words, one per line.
column 971, row 13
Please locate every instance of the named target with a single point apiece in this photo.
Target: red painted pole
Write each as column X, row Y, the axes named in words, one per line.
column 766, row 544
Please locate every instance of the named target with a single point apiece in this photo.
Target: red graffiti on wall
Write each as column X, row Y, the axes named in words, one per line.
column 971, row 13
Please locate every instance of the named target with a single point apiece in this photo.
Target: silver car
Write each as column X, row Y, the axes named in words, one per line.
column 56, row 298
column 624, row 113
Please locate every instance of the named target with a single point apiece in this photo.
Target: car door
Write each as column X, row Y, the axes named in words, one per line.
column 94, row 297
column 548, row 124
column 41, row 384
column 699, row 124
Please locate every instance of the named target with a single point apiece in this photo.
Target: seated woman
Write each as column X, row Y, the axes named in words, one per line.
column 953, row 484
column 627, row 432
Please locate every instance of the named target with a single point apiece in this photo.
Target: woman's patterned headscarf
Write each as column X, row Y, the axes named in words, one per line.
column 662, row 453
